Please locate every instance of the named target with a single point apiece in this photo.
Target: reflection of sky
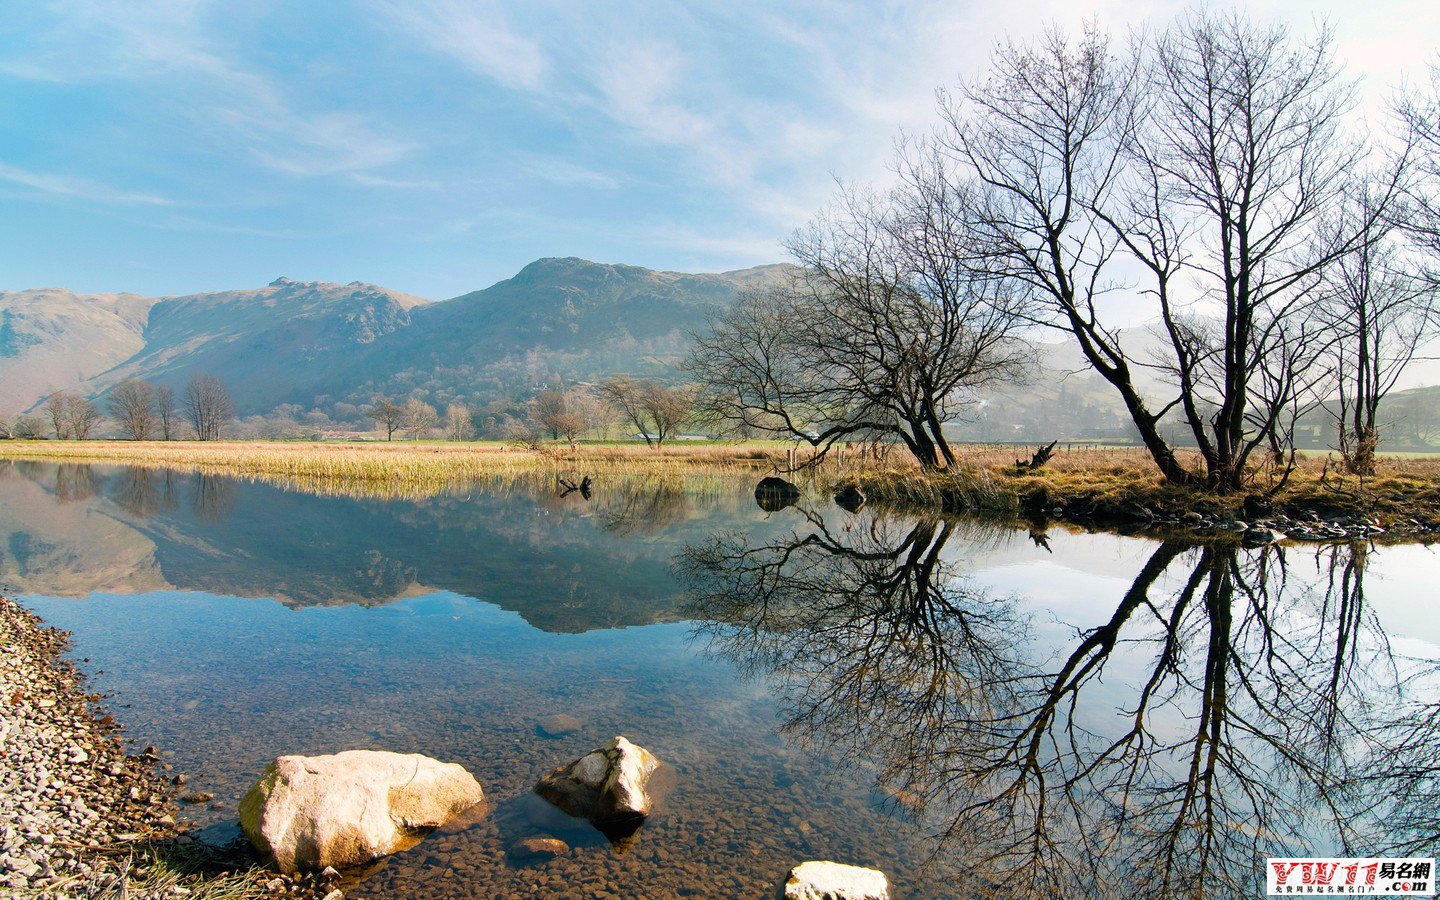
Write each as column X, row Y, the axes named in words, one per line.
column 1402, row 588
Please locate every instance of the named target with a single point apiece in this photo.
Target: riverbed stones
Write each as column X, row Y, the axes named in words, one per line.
column 351, row 807
column 66, row 784
column 825, row 880
column 606, row 785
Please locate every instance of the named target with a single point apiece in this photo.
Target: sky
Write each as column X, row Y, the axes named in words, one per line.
column 437, row 146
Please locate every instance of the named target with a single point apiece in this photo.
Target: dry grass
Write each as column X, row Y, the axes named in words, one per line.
column 403, row 470
column 986, row 480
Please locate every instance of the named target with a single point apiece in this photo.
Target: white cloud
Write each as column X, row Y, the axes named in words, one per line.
column 79, row 188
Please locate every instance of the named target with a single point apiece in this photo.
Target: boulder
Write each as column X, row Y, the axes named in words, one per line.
column 850, row 498
column 774, row 494
column 606, row 785
column 823, row 880
column 309, row 812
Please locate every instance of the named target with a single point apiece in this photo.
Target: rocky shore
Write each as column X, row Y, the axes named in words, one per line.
column 79, row 817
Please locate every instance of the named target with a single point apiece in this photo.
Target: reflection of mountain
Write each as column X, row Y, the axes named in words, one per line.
column 55, row 541
column 1228, row 707
column 70, row 530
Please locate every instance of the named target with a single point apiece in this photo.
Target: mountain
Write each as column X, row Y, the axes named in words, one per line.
column 558, row 319
column 52, row 339
column 318, row 343
column 267, row 344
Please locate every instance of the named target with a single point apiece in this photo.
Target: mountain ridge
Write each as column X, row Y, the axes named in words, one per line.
column 315, row 343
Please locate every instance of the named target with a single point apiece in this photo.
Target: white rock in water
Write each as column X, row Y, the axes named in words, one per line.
column 833, row 881
column 604, row 785
column 351, row 807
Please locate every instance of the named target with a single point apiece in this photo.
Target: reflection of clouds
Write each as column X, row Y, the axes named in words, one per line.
column 1221, row 709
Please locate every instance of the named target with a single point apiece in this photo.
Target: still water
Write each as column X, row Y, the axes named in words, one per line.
column 974, row 708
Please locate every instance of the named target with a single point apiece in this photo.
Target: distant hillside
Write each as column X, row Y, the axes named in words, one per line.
column 53, row 340
column 316, row 343
column 267, row 344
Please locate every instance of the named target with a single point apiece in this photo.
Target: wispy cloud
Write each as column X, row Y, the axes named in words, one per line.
column 564, row 173
column 475, row 34
column 78, row 188
column 170, row 46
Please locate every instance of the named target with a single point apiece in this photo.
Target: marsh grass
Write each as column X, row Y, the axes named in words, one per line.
column 986, row 480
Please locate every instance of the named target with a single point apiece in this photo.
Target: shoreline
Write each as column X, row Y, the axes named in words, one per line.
column 81, row 817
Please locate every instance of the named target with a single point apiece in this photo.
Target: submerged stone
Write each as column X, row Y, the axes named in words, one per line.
column 558, row 725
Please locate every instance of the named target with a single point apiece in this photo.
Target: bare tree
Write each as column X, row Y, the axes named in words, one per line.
column 84, row 418
column 657, row 411
column 71, row 417
column 166, row 417
column 1419, row 114
column 388, row 415
column 420, row 418
column 1211, row 160
column 552, row 414
column 27, row 427
column 884, row 334
column 132, row 406
column 1380, row 310
column 458, row 425
column 208, row 406
column 56, row 410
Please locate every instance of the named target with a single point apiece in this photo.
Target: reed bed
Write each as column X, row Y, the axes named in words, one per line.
column 986, row 480
column 416, row 471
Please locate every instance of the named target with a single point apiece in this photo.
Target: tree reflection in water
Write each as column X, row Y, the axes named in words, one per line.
column 1253, row 705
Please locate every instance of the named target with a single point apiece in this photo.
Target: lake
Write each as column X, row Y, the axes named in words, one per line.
column 975, row 708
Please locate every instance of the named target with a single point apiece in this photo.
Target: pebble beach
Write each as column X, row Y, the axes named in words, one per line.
column 79, row 815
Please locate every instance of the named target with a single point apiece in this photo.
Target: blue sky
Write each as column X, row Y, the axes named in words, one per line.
column 436, row 146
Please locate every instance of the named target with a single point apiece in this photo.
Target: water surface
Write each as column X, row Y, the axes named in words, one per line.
column 972, row 708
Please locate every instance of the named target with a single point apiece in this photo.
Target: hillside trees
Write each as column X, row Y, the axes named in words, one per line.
column 420, row 418
column 132, row 407
column 208, row 406
column 1203, row 165
column 388, row 415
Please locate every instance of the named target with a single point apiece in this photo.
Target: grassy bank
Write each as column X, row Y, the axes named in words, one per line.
column 1109, row 485
column 1100, row 483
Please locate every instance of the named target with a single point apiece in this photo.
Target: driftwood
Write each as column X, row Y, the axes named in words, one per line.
column 569, row 487
column 1041, row 457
